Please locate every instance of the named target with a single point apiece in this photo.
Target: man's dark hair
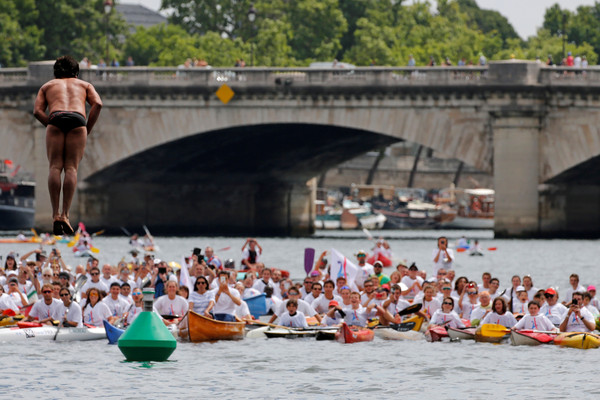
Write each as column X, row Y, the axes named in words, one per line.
column 66, row 67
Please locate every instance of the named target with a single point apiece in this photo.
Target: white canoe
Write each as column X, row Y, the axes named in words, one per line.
column 392, row 334
column 48, row 332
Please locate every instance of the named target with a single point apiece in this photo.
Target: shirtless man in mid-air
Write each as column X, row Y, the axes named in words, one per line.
column 66, row 132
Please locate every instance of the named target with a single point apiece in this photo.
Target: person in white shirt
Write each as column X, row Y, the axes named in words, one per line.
column 520, row 305
column 16, row 295
column 575, row 287
column 202, row 300
column 533, row 320
column 315, row 291
column 366, row 269
column 483, row 309
column 394, row 304
column 95, row 310
column 577, row 317
column 486, row 277
column 292, row 317
column 126, row 293
column 552, row 309
column 357, row 315
column 443, row 257
column 71, row 311
column 47, row 309
column 445, row 316
column 429, row 302
column 226, row 299
column 137, row 307
column 321, row 304
column 412, row 281
column 494, row 286
column 529, row 288
column 594, row 301
column 499, row 314
column 301, row 305
column 335, row 315
column 251, row 255
column 6, row 302
column 265, row 281
column 117, row 305
column 94, row 282
column 171, row 304
column 106, row 277
column 469, row 302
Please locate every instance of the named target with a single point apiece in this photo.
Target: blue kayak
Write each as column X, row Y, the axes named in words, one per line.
column 257, row 305
column 112, row 332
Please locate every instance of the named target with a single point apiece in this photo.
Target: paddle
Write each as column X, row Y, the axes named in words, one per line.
column 494, row 330
column 309, row 258
column 224, row 249
column 410, row 309
column 492, row 248
column 100, row 232
column 78, row 285
column 125, row 231
column 461, row 250
column 536, row 331
column 170, row 317
column 366, row 232
column 74, row 241
column 403, row 327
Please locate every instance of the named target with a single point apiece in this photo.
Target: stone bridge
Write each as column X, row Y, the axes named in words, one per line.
column 168, row 153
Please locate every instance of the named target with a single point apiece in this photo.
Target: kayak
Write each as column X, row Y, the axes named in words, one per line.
column 295, row 333
column 257, row 305
column 31, row 240
column 480, row 337
column 435, row 333
column 11, row 321
column 380, row 257
column 28, row 324
column 417, row 320
column 113, row 333
column 392, row 334
column 48, row 333
column 578, row 340
column 530, row 338
column 462, row 334
column 347, row 334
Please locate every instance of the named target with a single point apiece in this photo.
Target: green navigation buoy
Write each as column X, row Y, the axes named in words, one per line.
column 147, row 339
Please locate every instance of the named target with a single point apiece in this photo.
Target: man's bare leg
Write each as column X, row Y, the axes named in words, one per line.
column 55, row 145
column 75, row 141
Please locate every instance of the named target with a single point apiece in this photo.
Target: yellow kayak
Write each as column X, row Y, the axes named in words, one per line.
column 10, row 321
column 578, row 340
column 417, row 320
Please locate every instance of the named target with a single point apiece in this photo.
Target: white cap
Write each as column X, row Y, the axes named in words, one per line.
column 521, row 289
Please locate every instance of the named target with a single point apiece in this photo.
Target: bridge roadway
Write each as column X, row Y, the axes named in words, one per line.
column 169, row 154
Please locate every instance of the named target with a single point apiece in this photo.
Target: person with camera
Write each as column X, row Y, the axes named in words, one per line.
column 160, row 278
column 442, row 256
column 577, row 317
column 226, row 299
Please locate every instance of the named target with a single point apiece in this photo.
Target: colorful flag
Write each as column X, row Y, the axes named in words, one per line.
column 341, row 266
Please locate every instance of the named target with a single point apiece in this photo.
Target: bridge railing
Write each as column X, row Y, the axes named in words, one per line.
column 570, row 76
column 12, row 76
column 284, row 76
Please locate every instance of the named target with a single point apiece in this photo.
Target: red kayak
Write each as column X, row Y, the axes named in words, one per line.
column 435, row 333
column 355, row 334
column 380, row 257
column 28, row 324
column 531, row 338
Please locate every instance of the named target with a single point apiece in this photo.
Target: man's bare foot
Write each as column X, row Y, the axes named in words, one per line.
column 57, row 228
column 66, row 226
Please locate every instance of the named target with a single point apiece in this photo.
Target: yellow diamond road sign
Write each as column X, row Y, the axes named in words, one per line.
column 225, row 94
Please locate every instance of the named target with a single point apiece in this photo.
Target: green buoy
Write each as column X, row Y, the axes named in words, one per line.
column 147, row 339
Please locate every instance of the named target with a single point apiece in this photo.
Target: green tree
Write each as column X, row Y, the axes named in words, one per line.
column 488, row 21
column 19, row 35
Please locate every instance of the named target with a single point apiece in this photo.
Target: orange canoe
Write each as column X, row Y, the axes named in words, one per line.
column 354, row 334
column 197, row 328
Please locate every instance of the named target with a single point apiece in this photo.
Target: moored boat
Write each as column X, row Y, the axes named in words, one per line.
column 197, row 328
column 530, row 338
column 49, row 332
column 578, row 340
column 462, row 334
column 347, row 334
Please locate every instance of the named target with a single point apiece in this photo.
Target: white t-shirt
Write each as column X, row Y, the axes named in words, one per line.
column 507, row 319
column 538, row 323
column 478, row 313
column 468, row 307
column 356, row 317
column 430, row 307
column 224, row 304
column 555, row 313
column 242, row 310
column 569, row 293
column 592, row 310
column 260, row 285
column 297, row 320
column 451, row 319
column 201, row 301
column 246, row 254
column 321, row 305
column 397, row 307
column 41, row 310
column 108, row 281
column 7, row 302
column 303, row 307
column 166, row 306
column 250, row 292
column 98, row 285
column 575, row 323
column 117, row 307
column 365, row 271
column 519, row 307
column 440, row 262
column 408, row 281
column 73, row 314
column 95, row 315
column 128, row 299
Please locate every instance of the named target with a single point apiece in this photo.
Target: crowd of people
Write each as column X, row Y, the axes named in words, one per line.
column 214, row 288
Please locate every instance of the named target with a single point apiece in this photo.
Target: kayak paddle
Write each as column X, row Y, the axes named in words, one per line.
column 309, row 258
column 411, row 309
column 403, row 327
column 494, row 330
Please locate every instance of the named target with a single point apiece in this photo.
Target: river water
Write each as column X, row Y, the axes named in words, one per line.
column 306, row 369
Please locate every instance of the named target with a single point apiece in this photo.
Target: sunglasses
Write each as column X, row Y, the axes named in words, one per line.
column 446, row 288
column 47, row 291
column 46, row 275
column 548, row 295
column 201, row 282
column 447, row 304
column 471, row 292
column 94, row 273
column 136, row 293
column 64, row 294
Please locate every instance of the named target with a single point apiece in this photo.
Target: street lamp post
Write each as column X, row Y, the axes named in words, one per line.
column 108, row 5
column 564, row 34
column 252, row 18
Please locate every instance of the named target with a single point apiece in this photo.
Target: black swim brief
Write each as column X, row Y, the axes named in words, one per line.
column 66, row 120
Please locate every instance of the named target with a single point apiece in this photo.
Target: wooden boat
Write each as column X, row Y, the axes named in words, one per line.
column 347, row 334
column 530, row 338
column 392, row 334
column 435, row 333
column 480, row 337
column 48, row 333
column 197, row 328
column 578, row 340
column 462, row 334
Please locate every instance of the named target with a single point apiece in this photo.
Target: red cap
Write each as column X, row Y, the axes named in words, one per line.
column 550, row 291
column 333, row 303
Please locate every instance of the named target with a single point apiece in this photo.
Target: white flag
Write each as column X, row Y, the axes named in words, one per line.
column 184, row 276
column 341, row 266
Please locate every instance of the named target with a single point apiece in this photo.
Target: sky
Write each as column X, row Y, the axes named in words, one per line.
column 525, row 15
